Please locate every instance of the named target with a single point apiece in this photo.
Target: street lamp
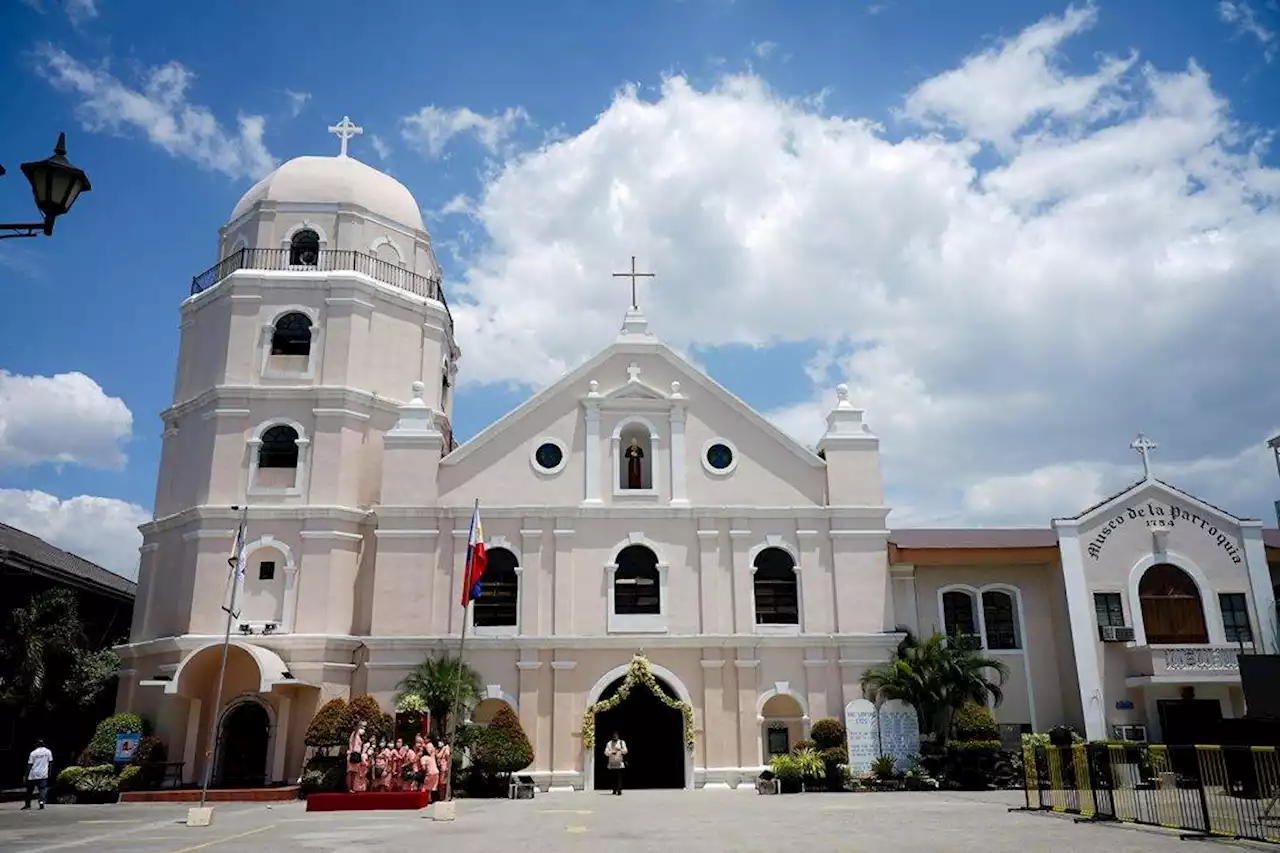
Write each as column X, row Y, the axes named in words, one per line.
column 56, row 184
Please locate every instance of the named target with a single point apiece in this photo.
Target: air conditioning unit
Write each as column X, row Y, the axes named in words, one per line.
column 1115, row 633
column 1137, row 734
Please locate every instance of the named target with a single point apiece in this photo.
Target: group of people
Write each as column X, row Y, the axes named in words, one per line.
column 386, row 766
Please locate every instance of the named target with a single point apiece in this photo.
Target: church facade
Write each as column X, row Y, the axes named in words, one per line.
column 633, row 505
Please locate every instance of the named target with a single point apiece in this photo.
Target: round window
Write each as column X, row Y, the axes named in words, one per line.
column 549, row 456
column 719, row 456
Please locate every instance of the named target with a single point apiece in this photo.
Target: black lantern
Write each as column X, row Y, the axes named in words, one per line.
column 55, row 183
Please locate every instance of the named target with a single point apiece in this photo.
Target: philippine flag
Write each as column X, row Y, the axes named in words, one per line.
column 476, row 559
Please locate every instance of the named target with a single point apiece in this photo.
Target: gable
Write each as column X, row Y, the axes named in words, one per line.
column 1159, row 488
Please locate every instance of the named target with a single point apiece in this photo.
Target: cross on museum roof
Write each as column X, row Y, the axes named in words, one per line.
column 345, row 130
column 1144, row 446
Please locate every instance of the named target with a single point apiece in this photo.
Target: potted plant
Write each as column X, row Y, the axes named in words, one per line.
column 788, row 772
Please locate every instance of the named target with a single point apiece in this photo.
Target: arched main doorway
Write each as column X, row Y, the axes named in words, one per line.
column 654, row 734
column 243, row 741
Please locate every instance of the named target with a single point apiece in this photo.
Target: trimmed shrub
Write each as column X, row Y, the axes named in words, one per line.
column 102, row 747
column 151, row 750
column 67, row 779
column 97, row 783
column 503, row 748
column 828, row 734
column 378, row 725
column 324, row 774
column 130, row 778
column 331, row 726
column 973, row 722
column 973, row 765
column 803, row 744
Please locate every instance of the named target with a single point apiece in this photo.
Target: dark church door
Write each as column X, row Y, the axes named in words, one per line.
column 246, row 731
column 655, row 740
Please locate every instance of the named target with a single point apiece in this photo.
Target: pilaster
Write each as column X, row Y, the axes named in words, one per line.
column 717, row 723
column 591, row 453
column 527, row 669
column 816, row 615
column 711, row 604
column 562, row 623
column 531, row 578
column 280, row 745
column 679, row 459
column 1083, row 619
column 564, row 760
column 815, row 681
column 743, row 618
column 749, row 749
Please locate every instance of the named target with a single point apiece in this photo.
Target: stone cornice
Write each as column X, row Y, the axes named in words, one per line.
column 353, row 402
column 846, row 520
column 261, row 512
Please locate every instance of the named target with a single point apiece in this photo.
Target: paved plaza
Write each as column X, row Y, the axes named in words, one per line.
column 639, row 822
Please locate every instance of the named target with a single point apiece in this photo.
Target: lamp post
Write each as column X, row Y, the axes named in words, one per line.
column 56, row 184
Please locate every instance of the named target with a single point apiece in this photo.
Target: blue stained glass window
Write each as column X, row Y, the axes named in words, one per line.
column 719, row 456
column 549, row 456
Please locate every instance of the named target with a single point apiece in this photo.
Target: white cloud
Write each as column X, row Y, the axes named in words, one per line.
column 431, row 128
column 101, row 530
column 1113, row 268
column 65, row 419
column 159, row 109
column 80, row 11
column 1245, row 19
column 764, row 49
column 1000, row 91
column 297, row 101
column 380, row 147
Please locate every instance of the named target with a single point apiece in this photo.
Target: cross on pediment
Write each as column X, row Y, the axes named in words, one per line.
column 633, row 372
column 345, row 130
column 1144, row 446
column 633, row 275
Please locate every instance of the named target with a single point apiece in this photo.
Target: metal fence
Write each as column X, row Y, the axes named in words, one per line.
column 1228, row 791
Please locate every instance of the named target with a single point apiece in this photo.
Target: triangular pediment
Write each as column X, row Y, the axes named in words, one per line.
column 635, row 391
column 1142, row 490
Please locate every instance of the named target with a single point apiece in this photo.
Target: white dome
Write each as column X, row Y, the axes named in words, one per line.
column 329, row 180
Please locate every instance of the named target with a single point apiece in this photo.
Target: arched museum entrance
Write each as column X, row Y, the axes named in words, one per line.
column 654, row 734
column 243, row 741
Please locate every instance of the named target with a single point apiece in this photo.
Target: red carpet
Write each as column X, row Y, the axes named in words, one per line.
column 367, row 801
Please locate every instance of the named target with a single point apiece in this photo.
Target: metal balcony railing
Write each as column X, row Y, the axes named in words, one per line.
column 325, row 260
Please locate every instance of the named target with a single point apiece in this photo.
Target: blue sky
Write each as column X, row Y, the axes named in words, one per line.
column 1021, row 231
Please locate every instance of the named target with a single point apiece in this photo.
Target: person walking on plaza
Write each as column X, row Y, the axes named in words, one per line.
column 38, row 773
column 616, row 752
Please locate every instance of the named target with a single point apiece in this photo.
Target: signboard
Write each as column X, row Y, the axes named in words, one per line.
column 862, row 727
column 125, row 747
column 899, row 733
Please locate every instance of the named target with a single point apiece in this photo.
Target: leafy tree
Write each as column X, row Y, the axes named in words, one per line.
column 102, row 747
column 46, row 661
column 937, row 676
column 502, row 747
column 331, row 726
column 435, row 682
column 378, row 724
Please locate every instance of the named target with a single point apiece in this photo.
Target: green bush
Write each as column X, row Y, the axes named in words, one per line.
column 789, row 772
column 67, row 779
column 130, row 778
column 503, row 747
column 151, row 750
column 974, row 722
column 974, row 765
column 883, row 767
column 803, row 744
column 102, row 746
column 331, row 726
column 324, row 774
column 97, row 782
column 102, row 769
column 828, row 733
column 835, row 755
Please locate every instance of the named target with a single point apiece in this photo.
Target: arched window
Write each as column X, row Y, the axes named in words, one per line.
column 304, row 249
column 957, row 614
column 776, row 592
column 499, row 592
column 279, row 448
column 1000, row 617
column 635, row 583
column 292, row 335
column 1172, row 612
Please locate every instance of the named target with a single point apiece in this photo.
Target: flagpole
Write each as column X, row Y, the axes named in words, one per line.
column 226, row 645
column 462, row 644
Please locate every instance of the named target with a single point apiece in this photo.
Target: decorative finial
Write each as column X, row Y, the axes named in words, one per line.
column 344, row 130
column 675, row 388
column 842, row 392
column 1144, row 446
column 419, row 388
column 593, row 387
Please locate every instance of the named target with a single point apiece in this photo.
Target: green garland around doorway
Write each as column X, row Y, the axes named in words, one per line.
column 638, row 672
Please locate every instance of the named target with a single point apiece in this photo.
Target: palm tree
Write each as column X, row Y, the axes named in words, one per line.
column 936, row 677
column 435, row 682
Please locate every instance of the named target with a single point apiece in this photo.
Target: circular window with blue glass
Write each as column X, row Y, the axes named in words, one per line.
column 549, row 456
column 719, row 457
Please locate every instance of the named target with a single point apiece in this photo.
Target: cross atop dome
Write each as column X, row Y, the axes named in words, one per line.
column 345, row 130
